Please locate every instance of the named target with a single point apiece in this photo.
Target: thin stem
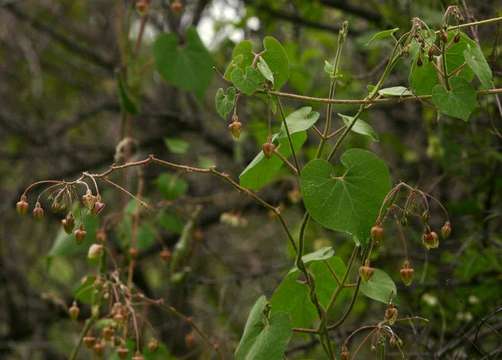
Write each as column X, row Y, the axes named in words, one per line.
column 88, row 324
column 286, row 127
column 293, row 169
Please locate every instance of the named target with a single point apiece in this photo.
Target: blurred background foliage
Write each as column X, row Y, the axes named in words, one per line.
column 62, row 63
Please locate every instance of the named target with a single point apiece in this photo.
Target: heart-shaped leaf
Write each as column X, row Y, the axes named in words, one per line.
column 247, row 81
column 382, row 35
column 225, row 101
column 477, row 62
column 265, row 70
column 351, row 201
column 458, row 102
column 265, row 335
column 242, row 57
column 277, row 59
column 188, row 66
column 360, row 127
column 379, row 287
column 292, row 296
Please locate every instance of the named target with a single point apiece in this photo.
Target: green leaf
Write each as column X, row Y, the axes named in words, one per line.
column 127, row 103
column 292, row 296
column 379, row 287
column 261, row 170
column 247, row 81
column 455, row 55
column 477, row 62
column 146, row 236
column 170, row 222
column 171, row 186
column 265, row 337
column 395, row 91
column 225, row 101
column 382, row 35
column 349, row 202
column 265, row 70
column 459, row 102
column 360, row 127
column 177, row 146
column 188, row 66
column 423, row 78
column 329, row 68
column 242, row 57
column 277, row 59
column 84, row 292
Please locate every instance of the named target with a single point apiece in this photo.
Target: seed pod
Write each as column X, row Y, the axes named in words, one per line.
column 344, row 354
column 89, row 341
column 446, row 230
column 366, row 271
column 176, row 7
column 95, row 251
column 138, row 356
column 430, row 240
column 391, row 314
column 108, row 333
column 88, row 200
column 189, row 340
column 101, row 236
column 406, row 273
column 99, row 347
column 268, row 149
column 57, row 207
column 74, row 311
column 419, row 61
column 38, row 211
column 68, row 223
column 142, row 6
column 444, row 36
column 122, row 352
column 153, row 345
column 22, row 205
column 80, row 234
column 377, row 234
column 98, row 207
column 133, row 253
column 165, row 255
column 456, row 39
column 235, row 128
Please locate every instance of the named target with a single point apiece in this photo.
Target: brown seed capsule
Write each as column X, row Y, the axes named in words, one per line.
column 99, row 347
column 80, row 234
column 344, row 354
column 98, row 207
column 444, row 36
column 118, row 317
column 138, row 356
column 22, row 205
column 268, row 149
column 407, row 273
column 235, row 128
column 456, row 39
column 419, row 61
column 95, row 251
column 430, row 240
column 142, row 6
column 176, row 6
column 446, row 230
column 153, row 345
column 101, row 236
column 366, row 271
column 377, row 234
column 89, row 341
column 88, row 200
column 68, row 223
column 189, row 340
column 165, row 255
column 74, row 311
column 38, row 211
column 108, row 333
column 133, row 253
column 391, row 314
column 122, row 352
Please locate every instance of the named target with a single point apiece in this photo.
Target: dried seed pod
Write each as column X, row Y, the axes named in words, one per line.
column 419, row 61
column 345, row 354
column 99, row 347
column 446, row 230
column 38, row 211
column 101, row 236
column 430, row 240
column 391, row 314
column 108, row 333
column 366, row 271
column 153, row 345
column 88, row 200
column 176, row 7
column 165, row 255
column 98, row 207
column 22, row 205
column 68, row 223
column 122, row 352
column 80, row 234
column 189, row 340
column 268, row 149
column 89, row 341
column 456, row 39
column 142, row 6
column 407, row 273
column 74, row 311
column 138, row 356
column 133, row 253
column 377, row 234
column 95, row 251
column 235, row 128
